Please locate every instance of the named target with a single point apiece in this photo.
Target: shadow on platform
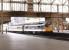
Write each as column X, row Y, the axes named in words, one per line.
column 50, row 35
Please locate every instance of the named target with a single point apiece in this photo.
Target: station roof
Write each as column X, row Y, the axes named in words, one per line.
column 61, row 6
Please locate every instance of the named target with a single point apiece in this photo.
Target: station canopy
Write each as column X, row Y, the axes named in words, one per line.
column 38, row 5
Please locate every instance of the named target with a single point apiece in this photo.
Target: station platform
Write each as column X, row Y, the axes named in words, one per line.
column 15, row 41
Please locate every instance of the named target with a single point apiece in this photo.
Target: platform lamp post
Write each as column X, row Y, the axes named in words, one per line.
column 68, row 7
column 23, row 26
column 58, row 18
column 2, row 16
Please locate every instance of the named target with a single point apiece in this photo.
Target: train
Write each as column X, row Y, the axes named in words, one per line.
column 32, row 28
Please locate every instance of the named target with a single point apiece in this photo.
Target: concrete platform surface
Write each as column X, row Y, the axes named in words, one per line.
column 12, row 41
